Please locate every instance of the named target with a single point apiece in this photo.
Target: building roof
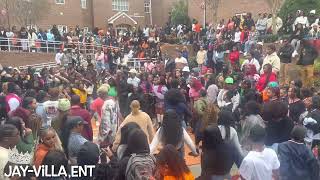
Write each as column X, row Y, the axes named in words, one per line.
column 118, row 15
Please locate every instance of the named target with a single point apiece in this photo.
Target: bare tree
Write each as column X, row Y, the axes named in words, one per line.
column 210, row 6
column 25, row 12
column 6, row 6
column 275, row 6
column 213, row 5
column 30, row 11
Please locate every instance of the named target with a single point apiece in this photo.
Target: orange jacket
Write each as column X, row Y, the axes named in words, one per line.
column 41, row 152
column 187, row 176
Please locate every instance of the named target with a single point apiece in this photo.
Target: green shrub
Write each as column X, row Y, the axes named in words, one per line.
column 270, row 38
column 179, row 13
column 291, row 7
column 192, row 62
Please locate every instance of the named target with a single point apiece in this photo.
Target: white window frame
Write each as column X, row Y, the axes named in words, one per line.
column 60, row 1
column 83, row 4
column 120, row 5
column 147, row 6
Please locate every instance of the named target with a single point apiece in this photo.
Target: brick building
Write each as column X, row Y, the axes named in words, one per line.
column 126, row 13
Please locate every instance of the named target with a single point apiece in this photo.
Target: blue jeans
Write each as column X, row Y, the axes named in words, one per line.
column 99, row 65
column 248, row 45
column 221, row 177
column 184, row 124
column 181, row 151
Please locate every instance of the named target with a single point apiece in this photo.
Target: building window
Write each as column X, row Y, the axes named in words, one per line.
column 147, row 6
column 84, row 4
column 60, row 2
column 120, row 5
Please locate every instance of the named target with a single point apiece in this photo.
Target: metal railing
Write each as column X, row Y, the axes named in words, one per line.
column 39, row 66
column 40, row 46
column 45, row 46
column 135, row 63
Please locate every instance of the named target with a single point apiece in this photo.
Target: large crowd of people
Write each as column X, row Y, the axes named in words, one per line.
column 248, row 113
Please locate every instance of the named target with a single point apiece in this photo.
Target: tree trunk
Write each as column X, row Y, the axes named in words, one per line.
column 274, row 24
column 275, row 6
column 7, row 13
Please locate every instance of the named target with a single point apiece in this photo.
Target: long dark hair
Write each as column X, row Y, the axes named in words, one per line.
column 170, row 157
column 3, row 105
column 26, row 102
column 63, row 120
column 172, row 130
column 269, row 66
column 212, row 138
column 17, row 122
column 212, row 80
column 125, row 131
column 174, row 97
column 65, row 134
column 226, row 119
column 55, row 158
column 252, row 108
column 137, row 143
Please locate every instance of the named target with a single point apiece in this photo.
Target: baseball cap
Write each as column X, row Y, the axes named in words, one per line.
column 64, row 104
column 88, row 154
column 186, row 69
column 273, row 84
column 73, row 121
column 133, row 71
column 260, row 43
column 229, row 80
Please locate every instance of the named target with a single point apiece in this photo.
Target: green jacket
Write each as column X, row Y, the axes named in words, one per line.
column 26, row 145
column 200, row 106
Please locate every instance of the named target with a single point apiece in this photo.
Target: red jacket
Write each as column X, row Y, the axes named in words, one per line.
column 244, row 36
column 263, row 82
column 234, row 56
column 87, row 130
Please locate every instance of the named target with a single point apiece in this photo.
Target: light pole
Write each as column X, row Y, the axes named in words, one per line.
column 205, row 13
column 204, row 7
column 150, row 11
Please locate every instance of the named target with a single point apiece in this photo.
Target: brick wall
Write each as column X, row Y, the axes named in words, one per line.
column 227, row 9
column 70, row 14
column 98, row 11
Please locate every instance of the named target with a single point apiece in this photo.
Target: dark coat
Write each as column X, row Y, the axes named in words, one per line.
column 308, row 55
column 285, row 53
column 297, row 162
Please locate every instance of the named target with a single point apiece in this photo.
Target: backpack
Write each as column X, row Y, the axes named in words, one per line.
column 140, row 167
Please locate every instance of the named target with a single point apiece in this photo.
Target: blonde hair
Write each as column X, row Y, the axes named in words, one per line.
column 45, row 130
column 210, row 116
column 5, row 87
column 135, row 107
column 104, row 88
